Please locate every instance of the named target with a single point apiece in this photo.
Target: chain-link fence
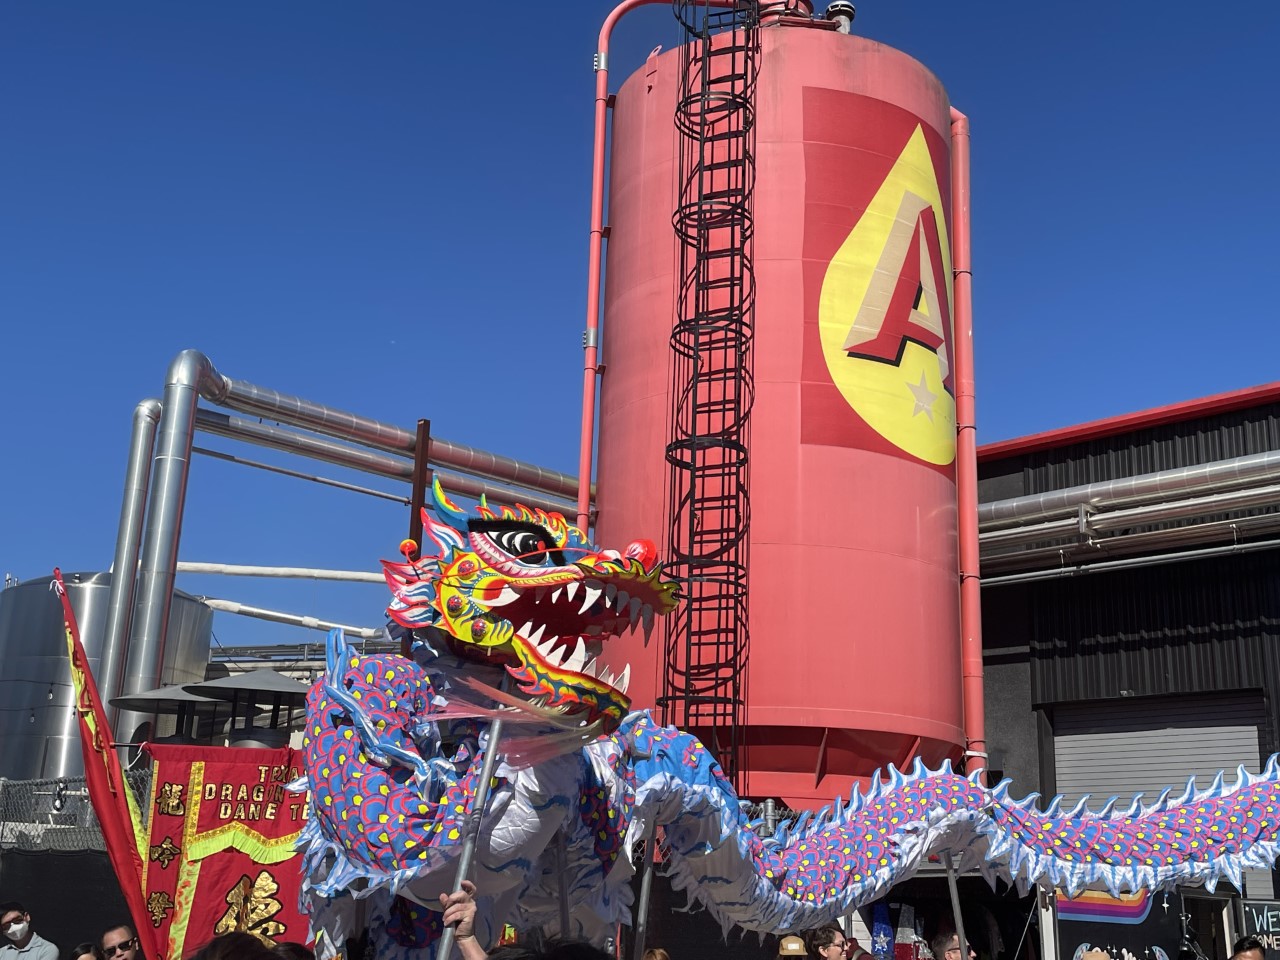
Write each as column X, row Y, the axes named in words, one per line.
column 41, row 815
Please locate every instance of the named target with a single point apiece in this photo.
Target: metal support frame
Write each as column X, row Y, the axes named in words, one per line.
column 421, row 481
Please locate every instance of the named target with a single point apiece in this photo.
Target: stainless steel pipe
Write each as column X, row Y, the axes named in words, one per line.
column 264, row 402
column 368, row 461
column 124, row 567
column 1131, row 491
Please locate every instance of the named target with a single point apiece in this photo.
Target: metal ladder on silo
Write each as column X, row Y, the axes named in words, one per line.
column 707, row 639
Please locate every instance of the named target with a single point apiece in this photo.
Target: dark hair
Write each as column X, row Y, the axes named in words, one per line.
column 938, row 945
column 821, row 937
column 292, row 951
column 92, row 949
column 234, row 946
column 117, row 926
column 1248, row 943
column 555, row 949
column 10, row 905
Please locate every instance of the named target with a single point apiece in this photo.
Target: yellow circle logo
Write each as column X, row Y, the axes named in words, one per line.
column 884, row 314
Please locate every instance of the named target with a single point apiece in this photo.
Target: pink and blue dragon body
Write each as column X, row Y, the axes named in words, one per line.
column 394, row 748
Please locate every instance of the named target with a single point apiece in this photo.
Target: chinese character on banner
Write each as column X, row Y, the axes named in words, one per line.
column 221, row 845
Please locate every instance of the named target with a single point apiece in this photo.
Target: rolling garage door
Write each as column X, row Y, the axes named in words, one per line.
column 1123, row 747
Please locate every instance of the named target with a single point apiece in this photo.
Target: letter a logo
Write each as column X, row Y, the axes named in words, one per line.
column 885, row 312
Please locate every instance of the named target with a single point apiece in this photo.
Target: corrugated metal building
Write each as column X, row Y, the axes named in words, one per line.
column 1141, row 646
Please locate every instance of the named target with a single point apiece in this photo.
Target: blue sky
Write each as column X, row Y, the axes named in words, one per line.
column 383, row 207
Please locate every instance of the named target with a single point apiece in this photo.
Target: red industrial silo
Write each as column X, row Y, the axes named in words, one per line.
column 854, row 658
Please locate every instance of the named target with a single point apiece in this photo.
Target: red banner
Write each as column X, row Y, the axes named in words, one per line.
column 220, row 852
column 113, row 804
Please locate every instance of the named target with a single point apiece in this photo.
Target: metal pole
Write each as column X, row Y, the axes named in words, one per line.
column 471, row 834
column 955, row 905
column 421, row 480
column 562, row 869
column 124, row 568
column 642, row 908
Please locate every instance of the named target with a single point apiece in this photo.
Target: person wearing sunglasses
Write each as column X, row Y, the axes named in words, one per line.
column 120, row 943
column 946, row 946
column 20, row 942
column 827, row 942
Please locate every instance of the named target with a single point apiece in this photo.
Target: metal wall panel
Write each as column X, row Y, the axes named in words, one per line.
column 1207, row 626
column 1166, row 447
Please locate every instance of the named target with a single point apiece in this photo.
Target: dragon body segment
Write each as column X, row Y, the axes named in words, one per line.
column 508, row 619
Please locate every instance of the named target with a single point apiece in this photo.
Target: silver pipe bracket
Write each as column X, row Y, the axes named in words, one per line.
column 600, row 61
column 590, row 338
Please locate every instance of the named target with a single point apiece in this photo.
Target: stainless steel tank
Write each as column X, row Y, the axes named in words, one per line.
column 38, row 727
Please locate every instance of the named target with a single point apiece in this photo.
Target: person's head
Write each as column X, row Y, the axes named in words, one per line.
column 826, row 942
column 1248, row 948
column 85, row 951
column 120, row 943
column 15, row 922
column 292, row 951
column 234, row 946
column 945, row 945
column 556, row 949
column 656, row 953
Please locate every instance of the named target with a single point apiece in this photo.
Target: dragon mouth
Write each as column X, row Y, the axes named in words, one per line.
column 564, row 625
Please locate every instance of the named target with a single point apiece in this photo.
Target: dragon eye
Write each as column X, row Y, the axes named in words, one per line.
column 524, row 545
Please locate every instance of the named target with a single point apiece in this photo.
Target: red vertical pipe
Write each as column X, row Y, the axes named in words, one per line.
column 966, row 453
column 595, row 254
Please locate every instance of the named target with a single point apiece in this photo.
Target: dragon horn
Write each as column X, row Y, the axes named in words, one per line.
column 446, row 509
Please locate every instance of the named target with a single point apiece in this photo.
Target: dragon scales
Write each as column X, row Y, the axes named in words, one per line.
column 508, row 618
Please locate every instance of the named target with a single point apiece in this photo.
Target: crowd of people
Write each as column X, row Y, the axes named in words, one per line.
column 120, row 942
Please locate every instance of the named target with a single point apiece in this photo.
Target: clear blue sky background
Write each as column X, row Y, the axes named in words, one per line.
column 383, row 207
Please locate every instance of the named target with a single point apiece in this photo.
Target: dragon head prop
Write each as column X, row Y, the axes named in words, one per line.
column 528, row 590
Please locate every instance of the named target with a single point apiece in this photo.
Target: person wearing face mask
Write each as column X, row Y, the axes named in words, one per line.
column 20, row 941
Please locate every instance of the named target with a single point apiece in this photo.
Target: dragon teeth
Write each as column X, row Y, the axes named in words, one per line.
column 622, row 600
column 578, row 659
column 506, row 596
column 606, row 677
column 624, row 679
column 554, row 655
column 610, row 591
column 555, row 594
column 592, row 594
column 526, row 629
column 591, row 669
column 537, row 634
column 570, row 589
column 647, row 616
column 636, row 604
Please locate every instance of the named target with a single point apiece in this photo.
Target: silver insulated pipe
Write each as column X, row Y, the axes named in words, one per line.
column 191, row 375
column 1128, row 491
column 124, row 569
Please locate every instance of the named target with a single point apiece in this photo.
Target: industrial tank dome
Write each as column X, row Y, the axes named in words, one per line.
column 854, row 656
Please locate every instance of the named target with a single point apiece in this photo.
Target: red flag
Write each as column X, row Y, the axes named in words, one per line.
column 113, row 802
column 221, row 853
